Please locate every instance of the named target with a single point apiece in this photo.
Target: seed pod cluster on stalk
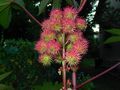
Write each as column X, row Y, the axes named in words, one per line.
column 51, row 43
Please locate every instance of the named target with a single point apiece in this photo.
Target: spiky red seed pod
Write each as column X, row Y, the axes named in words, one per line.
column 59, row 38
column 48, row 35
column 81, row 46
column 68, row 25
column 81, row 24
column 58, row 59
column 45, row 59
column 72, row 37
column 69, row 47
column 53, row 47
column 55, row 24
column 72, row 57
column 46, row 24
column 56, row 14
column 69, row 13
column 41, row 46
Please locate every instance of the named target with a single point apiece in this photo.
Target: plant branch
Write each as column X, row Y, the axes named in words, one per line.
column 74, row 80
column 81, row 5
column 28, row 13
column 64, row 63
column 97, row 76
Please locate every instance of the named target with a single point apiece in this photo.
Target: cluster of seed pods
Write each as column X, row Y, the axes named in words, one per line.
column 62, row 23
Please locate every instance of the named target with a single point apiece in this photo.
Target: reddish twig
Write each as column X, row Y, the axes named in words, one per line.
column 64, row 63
column 81, row 6
column 74, row 80
column 64, row 75
column 28, row 13
column 97, row 76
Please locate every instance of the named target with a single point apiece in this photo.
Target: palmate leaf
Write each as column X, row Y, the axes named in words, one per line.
column 5, row 17
column 5, row 13
column 43, row 5
column 112, row 39
column 114, row 31
column 57, row 4
column 3, row 76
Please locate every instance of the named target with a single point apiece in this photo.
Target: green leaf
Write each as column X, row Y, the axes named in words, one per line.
column 114, row 31
column 3, row 76
column 5, row 17
column 88, row 63
column 57, row 4
column 75, row 3
column 70, row 2
column 5, row 13
column 20, row 2
column 43, row 5
column 5, row 87
column 112, row 39
column 48, row 86
column 4, row 4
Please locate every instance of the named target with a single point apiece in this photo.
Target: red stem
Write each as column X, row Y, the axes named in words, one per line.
column 74, row 80
column 97, row 76
column 64, row 75
column 28, row 13
column 81, row 6
column 64, row 63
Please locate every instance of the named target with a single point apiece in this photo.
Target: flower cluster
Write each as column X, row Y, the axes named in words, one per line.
column 51, row 40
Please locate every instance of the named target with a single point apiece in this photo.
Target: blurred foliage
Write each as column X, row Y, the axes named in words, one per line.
column 108, row 14
column 82, row 78
column 87, row 63
column 115, row 36
column 20, row 57
column 48, row 86
column 4, row 86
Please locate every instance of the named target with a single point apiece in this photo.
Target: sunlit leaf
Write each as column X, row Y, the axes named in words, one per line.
column 43, row 5
column 114, row 31
column 112, row 39
column 57, row 3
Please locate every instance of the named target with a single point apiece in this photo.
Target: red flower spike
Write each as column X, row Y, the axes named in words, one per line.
column 69, row 13
column 56, row 14
column 45, row 59
column 55, row 24
column 75, row 36
column 72, row 57
column 68, row 25
column 81, row 46
column 53, row 47
column 69, row 47
column 46, row 24
column 48, row 35
column 41, row 46
column 81, row 24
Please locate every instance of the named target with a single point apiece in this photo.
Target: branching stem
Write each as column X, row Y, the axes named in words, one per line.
column 28, row 13
column 97, row 76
